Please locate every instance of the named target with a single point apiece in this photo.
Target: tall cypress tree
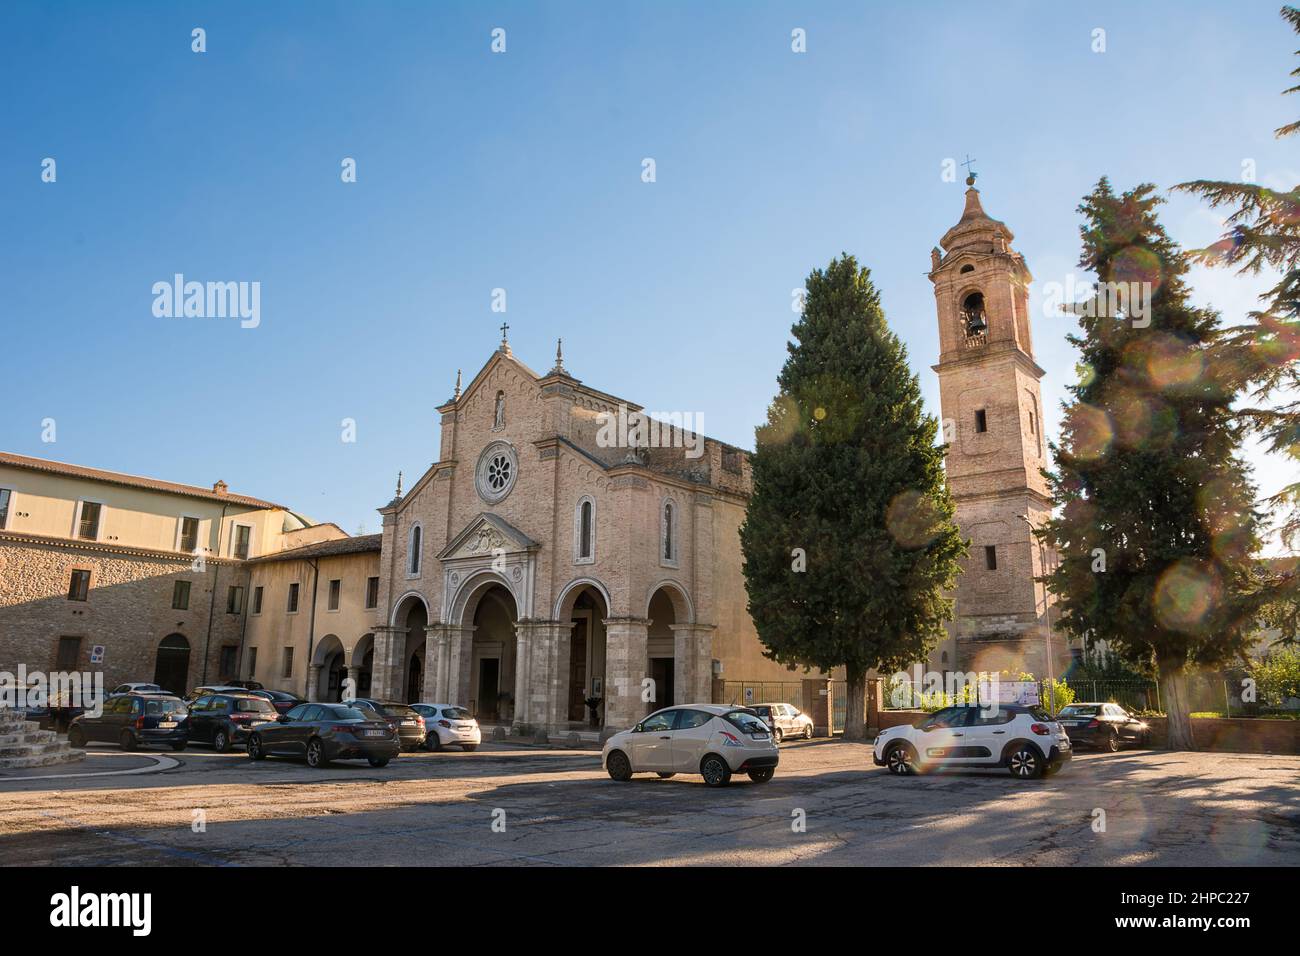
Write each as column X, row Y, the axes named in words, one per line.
column 848, row 540
column 1156, row 528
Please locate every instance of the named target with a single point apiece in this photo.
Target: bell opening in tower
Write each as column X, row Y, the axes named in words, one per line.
column 974, row 323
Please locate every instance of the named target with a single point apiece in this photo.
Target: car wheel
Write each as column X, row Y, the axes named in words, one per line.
column 807, row 732
column 664, row 775
column 433, row 743
column 178, row 747
column 618, row 766
column 901, row 759
column 469, row 748
column 255, row 751
column 316, row 753
column 762, row 774
column 1025, row 763
column 378, row 761
column 76, row 737
column 715, row 771
column 221, row 741
column 1112, row 742
column 127, row 741
column 778, row 735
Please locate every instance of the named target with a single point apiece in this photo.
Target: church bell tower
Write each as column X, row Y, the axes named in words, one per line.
column 992, row 423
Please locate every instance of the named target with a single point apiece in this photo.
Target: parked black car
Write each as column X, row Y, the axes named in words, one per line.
column 282, row 700
column 401, row 717
column 1103, row 725
column 134, row 721
column 246, row 684
column 224, row 720
column 325, row 732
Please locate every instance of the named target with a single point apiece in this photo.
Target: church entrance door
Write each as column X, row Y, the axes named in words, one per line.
column 578, row 671
column 489, row 671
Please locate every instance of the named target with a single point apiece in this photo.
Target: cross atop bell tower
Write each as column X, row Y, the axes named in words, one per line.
column 992, row 424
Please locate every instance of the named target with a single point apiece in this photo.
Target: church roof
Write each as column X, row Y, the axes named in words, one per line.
column 358, row 544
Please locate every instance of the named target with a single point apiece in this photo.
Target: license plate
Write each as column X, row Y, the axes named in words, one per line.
column 166, row 724
column 1071, row 723
column 374, row 733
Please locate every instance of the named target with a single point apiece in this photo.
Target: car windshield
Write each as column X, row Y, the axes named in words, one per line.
column 746, row 721
column 1039, row 713
column 345, row 713
column 456, row 713
column 1081, row 710
column 172, row 706
column 398, row 710
column 253, row 705
column 762, row 711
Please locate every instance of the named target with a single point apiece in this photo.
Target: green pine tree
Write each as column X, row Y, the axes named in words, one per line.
column 1156, row 529
column 848, row 540
column 1264, row 233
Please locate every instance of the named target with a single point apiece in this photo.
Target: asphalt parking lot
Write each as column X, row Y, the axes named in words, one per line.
column 515, row 805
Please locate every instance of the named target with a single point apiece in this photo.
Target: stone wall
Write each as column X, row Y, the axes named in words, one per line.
column 128, row 608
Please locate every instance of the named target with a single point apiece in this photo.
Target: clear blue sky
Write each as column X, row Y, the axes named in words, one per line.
column 522, row 171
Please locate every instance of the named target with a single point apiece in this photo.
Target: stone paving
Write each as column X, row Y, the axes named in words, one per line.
column 826, row 805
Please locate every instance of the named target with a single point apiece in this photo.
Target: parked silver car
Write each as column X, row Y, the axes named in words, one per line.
column 786, row 720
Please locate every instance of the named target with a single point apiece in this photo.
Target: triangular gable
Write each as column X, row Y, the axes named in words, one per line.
column 484, row 535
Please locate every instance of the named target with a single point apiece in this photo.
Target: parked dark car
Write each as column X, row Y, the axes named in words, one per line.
column 281, row 700
column 208, row 689
column 401, row 717
column 134, row 721
column 1106, row 726
column 325, row 732
column 224, row 720
column 246, row 684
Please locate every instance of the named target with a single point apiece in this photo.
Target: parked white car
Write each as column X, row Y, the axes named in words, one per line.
column 1026, row 740
column 447, row 724
column 713, row 740
column 786, row 720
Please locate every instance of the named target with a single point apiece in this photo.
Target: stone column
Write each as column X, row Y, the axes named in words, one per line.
column 626, row 666
column 312, row 679
column 386, row 674
column 435, row 662
column 460, row 657
column 545, row 685
column 693, row 663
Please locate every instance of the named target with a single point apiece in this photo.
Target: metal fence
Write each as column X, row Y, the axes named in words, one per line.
column 1131, row 694
column 748, row 693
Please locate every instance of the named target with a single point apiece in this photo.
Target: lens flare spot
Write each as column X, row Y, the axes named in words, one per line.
column 1185, row 595
column 1174, row 363
column 1089, row 432
column 912, row 519
column 819, row 413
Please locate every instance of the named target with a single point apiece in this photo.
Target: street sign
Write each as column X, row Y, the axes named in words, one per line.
column 97, row 654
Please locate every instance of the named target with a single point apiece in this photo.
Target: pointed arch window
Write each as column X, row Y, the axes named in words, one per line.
column 413, row 551
column 584, row 531
column 668, row 533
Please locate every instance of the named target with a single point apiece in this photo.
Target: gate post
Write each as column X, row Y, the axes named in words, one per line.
column 817, row 704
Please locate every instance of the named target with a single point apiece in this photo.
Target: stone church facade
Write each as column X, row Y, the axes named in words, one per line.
column 535, row 567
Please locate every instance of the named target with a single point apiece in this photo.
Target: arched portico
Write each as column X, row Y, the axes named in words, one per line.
column 580, row 614
column 327, row 670
column 678, row 649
